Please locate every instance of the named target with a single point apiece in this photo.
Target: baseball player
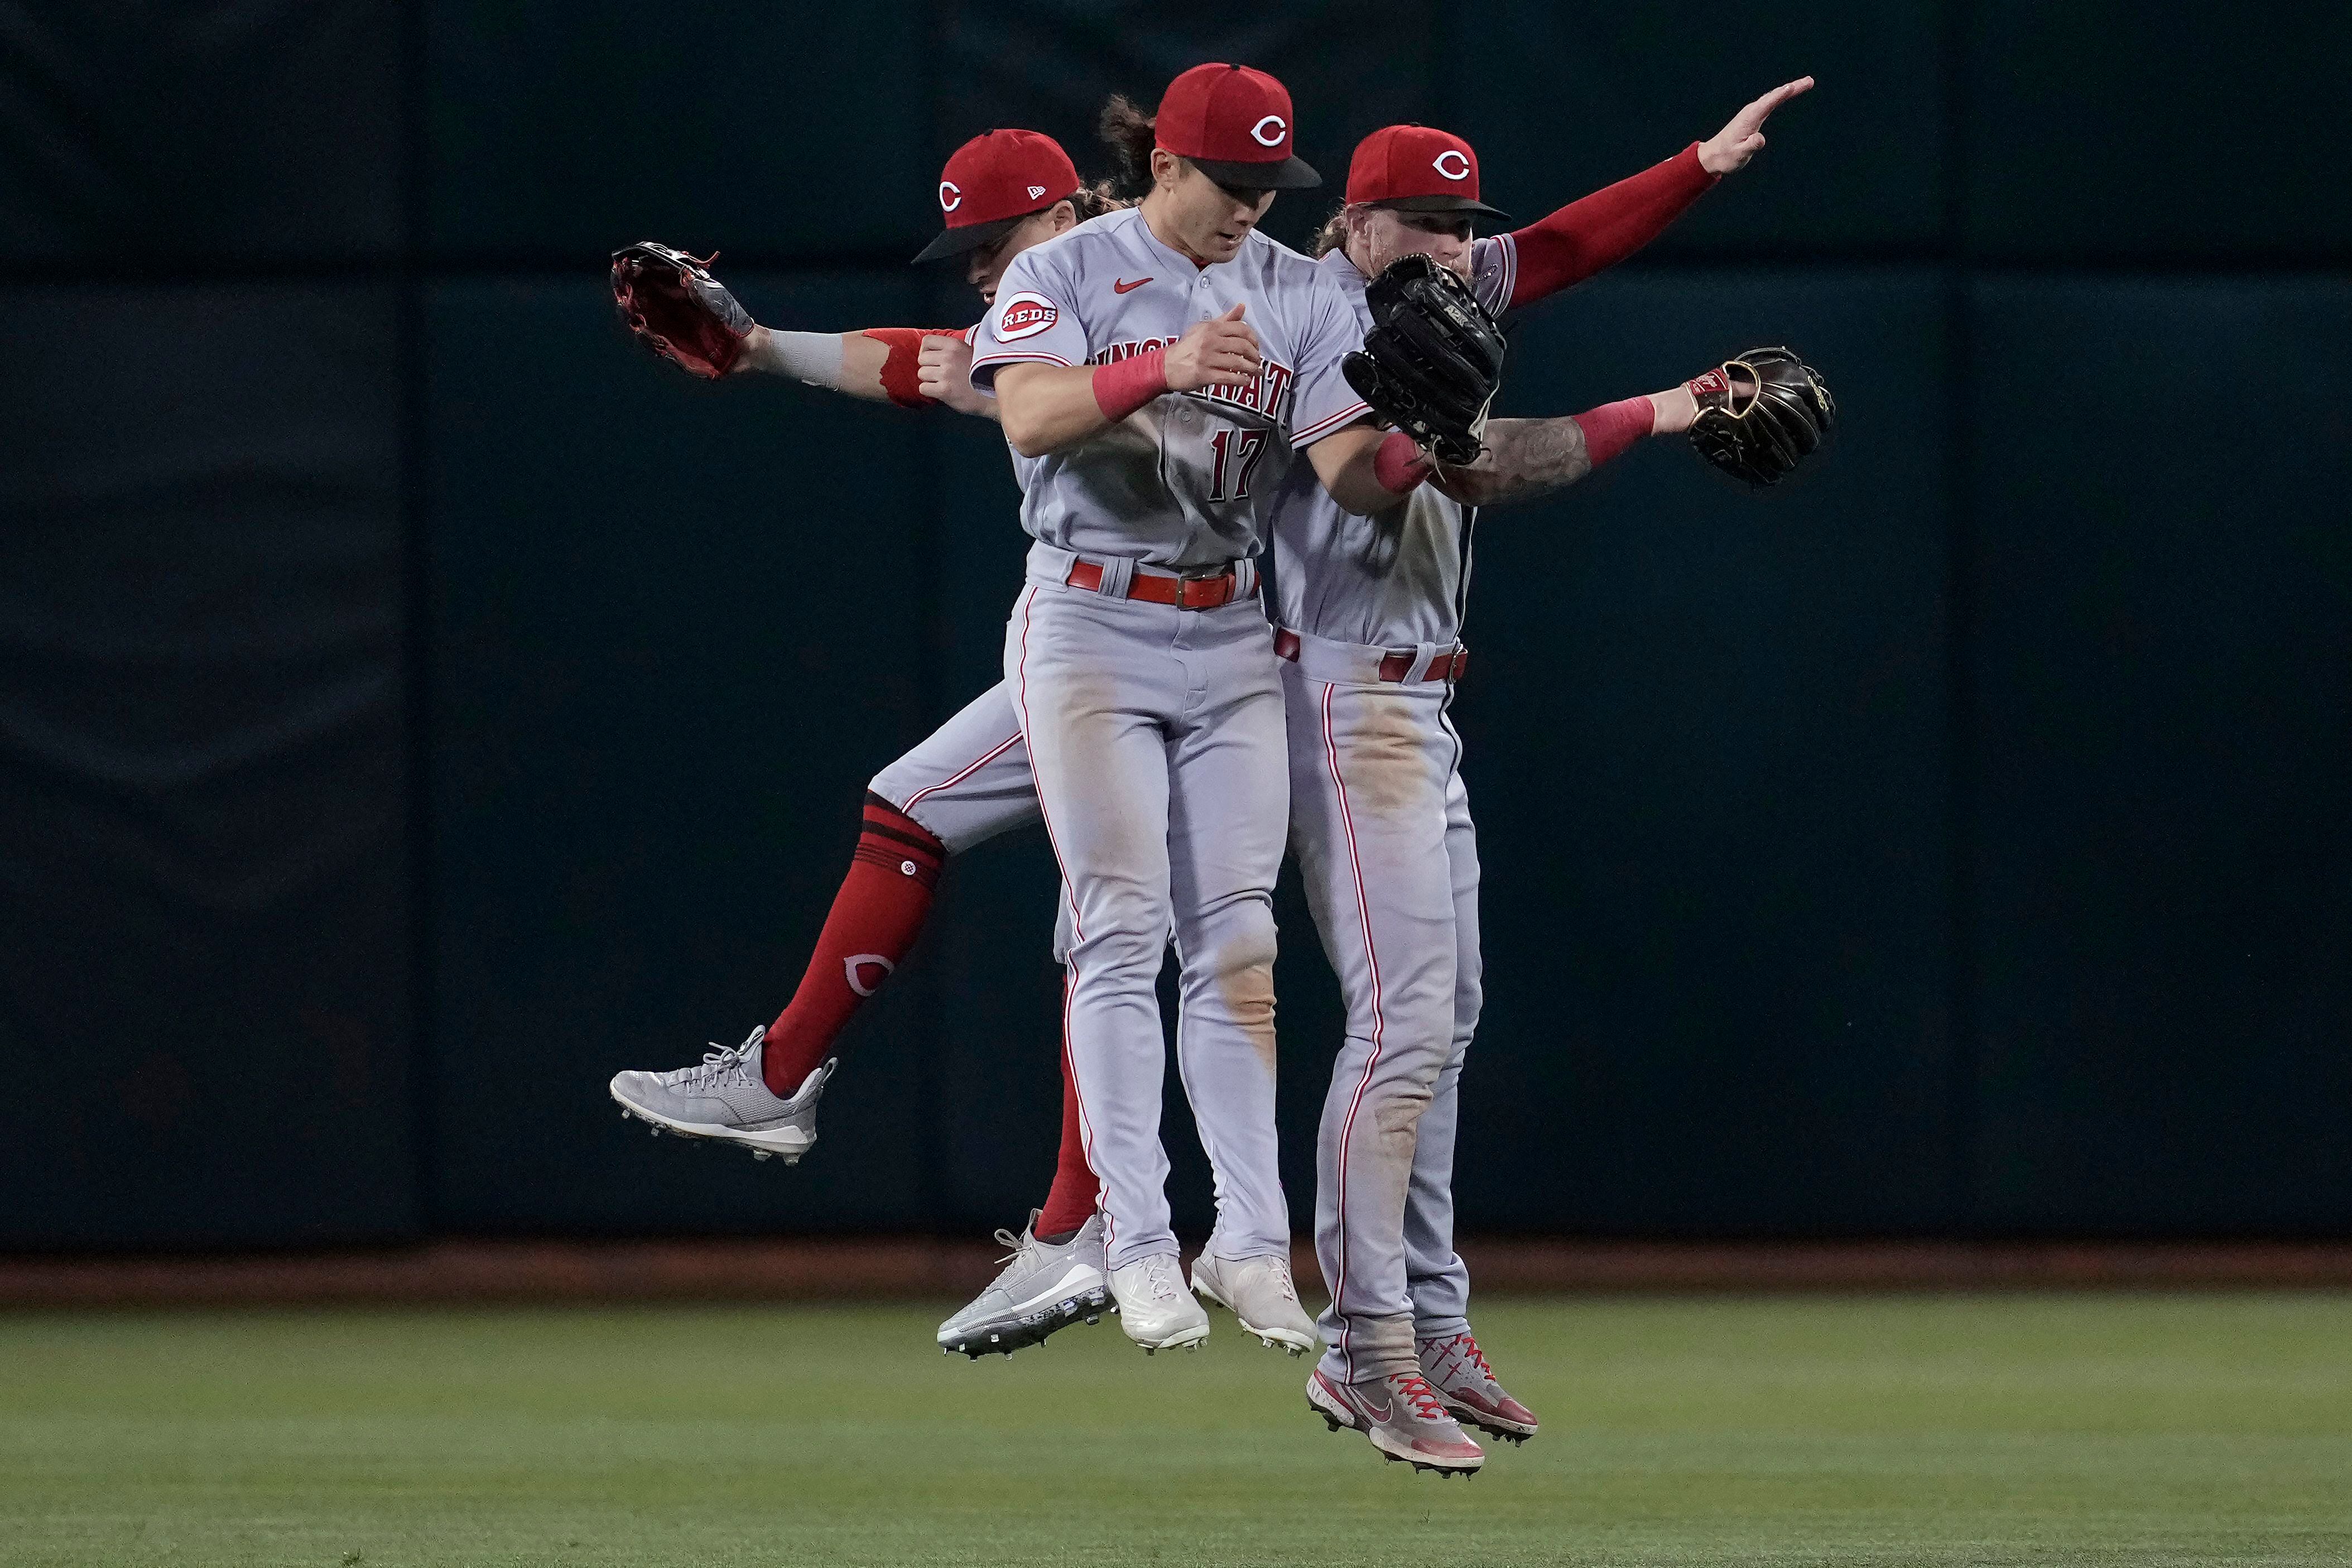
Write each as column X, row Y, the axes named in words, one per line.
column 969, row 781
column 1369, row 631
column 999, row 193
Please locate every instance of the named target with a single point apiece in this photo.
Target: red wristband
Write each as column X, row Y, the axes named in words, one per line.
column 902, row 371
column 1127, row 386
column 1399, row 465
column 1613, row 427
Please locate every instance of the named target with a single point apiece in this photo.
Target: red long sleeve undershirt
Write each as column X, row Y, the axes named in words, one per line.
column 1596, row 233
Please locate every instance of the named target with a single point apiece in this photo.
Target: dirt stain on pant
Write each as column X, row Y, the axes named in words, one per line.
column 1384, row 756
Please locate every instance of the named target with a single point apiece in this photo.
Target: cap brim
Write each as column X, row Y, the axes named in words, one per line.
column 1443, row 204
column 1287, row 174
column 971, row 237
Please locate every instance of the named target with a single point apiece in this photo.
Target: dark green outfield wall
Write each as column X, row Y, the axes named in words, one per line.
column 416, row 705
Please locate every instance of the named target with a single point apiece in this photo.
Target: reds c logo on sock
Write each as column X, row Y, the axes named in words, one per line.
column 851, row 965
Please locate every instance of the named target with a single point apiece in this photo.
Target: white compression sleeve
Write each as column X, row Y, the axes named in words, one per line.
column 812, row 357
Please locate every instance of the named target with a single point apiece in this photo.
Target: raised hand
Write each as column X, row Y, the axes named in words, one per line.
column 1731, row 147
column 1222, row 353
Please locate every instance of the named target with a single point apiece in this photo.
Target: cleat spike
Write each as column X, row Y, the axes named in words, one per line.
column 655, row 1131
column 760, row 1156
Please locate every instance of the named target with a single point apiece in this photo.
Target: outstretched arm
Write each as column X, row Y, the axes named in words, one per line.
column 1589, row 237
column 884, row 364
column 1526, row 459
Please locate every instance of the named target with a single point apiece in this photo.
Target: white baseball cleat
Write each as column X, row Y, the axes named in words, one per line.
column 1043, row 1288
column 724, row 1098
column 1154, row 1309
column 1403, row 1415
column 1258, row 1293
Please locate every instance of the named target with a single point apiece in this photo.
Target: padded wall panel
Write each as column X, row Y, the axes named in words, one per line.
column 2162, row 657
column 1706, row 752
column 1049, row 65
column 677, row 626
column 205, row 953
column 1560, row 101
column 263, row 132
column 771, row 132
column 2170, row 131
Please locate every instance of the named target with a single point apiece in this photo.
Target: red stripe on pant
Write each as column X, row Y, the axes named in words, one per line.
column 1380, row 1026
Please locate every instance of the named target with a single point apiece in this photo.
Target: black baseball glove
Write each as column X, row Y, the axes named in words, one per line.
column 1432, row 360
column 1762, row 414
column 676, row 308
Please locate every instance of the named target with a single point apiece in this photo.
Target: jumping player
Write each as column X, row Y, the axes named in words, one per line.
column 972, row 790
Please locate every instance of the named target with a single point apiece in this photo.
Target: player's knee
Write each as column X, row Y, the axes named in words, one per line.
column 1122, row 929
column 1234, row 963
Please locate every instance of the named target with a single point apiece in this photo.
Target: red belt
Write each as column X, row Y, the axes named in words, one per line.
column 1205, row 592
column 1394, row 665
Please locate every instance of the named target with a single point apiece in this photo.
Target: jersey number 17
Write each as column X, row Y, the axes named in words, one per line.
column 1238, row 452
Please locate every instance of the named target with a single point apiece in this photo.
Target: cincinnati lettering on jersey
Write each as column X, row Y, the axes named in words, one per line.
column 1265, row 394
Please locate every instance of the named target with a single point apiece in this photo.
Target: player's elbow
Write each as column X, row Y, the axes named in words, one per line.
column 1027, row 437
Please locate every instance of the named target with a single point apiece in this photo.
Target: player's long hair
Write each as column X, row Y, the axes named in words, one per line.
column 1333, row 234
column 1093, row 201
column 1130, row 134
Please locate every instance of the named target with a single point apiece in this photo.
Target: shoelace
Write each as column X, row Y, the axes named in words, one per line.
column 1159, row 1278
column 717, row 1063
column 1018, row 1244
column 1463, row 1350
column 1414, row 1390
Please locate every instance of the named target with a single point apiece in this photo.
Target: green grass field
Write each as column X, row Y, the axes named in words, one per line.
column 2047, row 1429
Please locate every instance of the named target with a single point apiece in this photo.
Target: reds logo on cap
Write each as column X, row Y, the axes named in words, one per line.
column 993, row 182
column 1416, row 168
column 1024, row 315
column 1234, row 124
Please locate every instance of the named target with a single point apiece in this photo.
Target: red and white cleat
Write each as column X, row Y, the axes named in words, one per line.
column 1457, row 1370
column 1402, row 1416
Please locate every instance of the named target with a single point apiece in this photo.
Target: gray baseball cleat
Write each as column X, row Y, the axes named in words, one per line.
column 1155, row 1311
column 1457, row 1369
column 1403, row 1417
column 1258, row 1293
column 1043, row 1288
column 723, row 1097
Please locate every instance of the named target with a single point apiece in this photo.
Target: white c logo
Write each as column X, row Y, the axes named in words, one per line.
column 1281, row 129
column 1451, row 164
column 950, row 197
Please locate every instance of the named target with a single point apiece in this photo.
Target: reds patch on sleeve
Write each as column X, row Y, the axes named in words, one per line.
column 1024, row 315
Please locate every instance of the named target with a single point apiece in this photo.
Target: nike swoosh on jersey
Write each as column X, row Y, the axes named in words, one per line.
column 1121, row 286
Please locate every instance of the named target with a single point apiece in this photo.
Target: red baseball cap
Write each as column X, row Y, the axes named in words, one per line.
column 1416, row 168
column 1236, row 123
column 994, row 181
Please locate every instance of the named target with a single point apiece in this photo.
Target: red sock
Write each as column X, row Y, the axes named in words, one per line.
column 1074, row 1188
column 875, row 917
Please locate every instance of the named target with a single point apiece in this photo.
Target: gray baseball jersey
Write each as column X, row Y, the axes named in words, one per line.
column 1392, row 581
column 1183, row 483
